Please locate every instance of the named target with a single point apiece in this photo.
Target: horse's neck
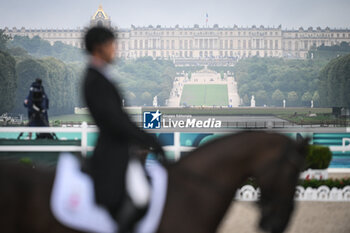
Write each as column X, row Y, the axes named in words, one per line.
column 229, row 162
column 205, row 182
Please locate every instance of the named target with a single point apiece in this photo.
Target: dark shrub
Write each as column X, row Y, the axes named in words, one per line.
column 318, row 157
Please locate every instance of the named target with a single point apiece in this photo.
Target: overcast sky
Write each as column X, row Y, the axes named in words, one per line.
column 76, row 13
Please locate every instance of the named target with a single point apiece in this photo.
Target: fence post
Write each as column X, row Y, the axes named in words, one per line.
column 84, row 139
column 177, row 146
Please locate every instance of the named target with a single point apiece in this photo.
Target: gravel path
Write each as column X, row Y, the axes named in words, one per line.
column 308, row 217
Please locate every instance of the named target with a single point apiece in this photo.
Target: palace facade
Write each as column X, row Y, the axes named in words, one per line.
column 199, row 43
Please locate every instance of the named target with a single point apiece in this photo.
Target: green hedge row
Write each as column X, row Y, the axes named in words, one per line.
column 318, row 157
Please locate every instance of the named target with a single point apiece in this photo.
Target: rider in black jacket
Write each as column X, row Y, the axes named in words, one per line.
column 117, row 132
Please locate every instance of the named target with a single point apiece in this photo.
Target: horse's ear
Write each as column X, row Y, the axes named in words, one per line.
column 299, row 138
column 302, row 143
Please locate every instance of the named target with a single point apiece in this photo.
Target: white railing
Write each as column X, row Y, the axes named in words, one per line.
column 83, row 129
column 322, row 193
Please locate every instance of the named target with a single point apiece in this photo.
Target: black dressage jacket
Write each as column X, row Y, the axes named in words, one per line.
column 108, row 164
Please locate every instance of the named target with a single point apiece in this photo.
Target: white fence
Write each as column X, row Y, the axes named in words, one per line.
column 84, row 129
column 322, row 193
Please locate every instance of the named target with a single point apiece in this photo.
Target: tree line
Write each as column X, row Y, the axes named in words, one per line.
column 335, row 83
column 24, row 59
column 270, row 80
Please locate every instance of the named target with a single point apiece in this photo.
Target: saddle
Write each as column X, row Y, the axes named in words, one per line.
column 73, row 201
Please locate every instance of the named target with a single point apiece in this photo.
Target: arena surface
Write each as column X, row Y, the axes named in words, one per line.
column 309, row 217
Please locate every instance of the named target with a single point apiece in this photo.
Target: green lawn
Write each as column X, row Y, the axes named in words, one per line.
column 204, row 94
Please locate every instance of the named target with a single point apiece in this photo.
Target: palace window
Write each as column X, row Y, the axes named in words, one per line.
column 141, row 44
column 167, row 44
column 231, row 44
column 244, row 44
column 239, row 44
column 271, row 44
column 135, row 44
column 154, row 43
column 162, row 44
column 180, row 44
column 276, row 44
column 173, row 44
column 226, row 44
column 249, row 44
column 186, row 45
column 191, row 44
column 146, row 44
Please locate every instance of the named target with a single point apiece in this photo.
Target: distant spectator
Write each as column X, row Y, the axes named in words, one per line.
column 37, row 103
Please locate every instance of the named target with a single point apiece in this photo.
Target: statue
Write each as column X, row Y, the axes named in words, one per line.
column 155, row 101
column 312, row 103
column 252, row 102
column 284, row 103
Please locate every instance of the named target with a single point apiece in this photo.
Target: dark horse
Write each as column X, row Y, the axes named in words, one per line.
column 201, row 186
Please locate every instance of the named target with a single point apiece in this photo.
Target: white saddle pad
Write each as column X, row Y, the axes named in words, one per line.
column 73, row 199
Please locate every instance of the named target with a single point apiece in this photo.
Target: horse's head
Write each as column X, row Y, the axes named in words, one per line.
column 278, row 184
